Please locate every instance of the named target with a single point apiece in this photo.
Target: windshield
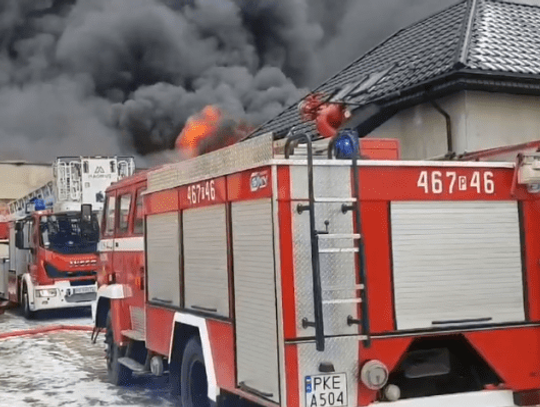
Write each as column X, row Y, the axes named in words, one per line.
column 67, row 234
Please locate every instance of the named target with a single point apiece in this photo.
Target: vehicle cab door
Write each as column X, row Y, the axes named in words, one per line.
column 136, row 259
column 122, row 236
column 128, row 255
column 107, row 242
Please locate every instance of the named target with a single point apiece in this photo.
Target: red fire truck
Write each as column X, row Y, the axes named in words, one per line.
column 53, row 236
column 289, row 273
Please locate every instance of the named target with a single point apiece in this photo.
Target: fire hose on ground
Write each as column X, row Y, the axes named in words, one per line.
column 44, row 329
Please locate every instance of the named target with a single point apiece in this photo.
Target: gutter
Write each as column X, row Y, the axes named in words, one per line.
column 448, row 119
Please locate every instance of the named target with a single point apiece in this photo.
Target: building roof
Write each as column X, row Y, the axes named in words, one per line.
column 473, row 44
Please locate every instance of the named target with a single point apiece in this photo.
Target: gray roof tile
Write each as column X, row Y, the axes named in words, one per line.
column 503, row 37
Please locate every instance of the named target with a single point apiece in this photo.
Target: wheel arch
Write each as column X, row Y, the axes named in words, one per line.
column 185, row 326
column 26, row 281
column 102, row 305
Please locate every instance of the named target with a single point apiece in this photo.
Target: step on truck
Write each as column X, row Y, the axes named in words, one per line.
column 53, row 236
column 286, row 272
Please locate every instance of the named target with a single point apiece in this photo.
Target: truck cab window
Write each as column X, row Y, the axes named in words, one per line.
column 67, row 234
column 138, row 223
column 109, row 215
column 123, row 215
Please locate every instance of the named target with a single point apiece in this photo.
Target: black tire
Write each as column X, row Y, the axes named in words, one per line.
column 117, row 374
column 193, row 379
column 27, row 312
column 174, row 375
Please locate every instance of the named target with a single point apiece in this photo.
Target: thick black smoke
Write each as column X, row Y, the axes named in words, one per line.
column 122, row 76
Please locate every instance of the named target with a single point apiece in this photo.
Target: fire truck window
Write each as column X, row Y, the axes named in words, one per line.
column 109, row 223
column 123, row 218
column 139, row 219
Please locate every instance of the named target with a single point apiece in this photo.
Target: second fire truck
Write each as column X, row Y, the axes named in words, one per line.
column 53, row 235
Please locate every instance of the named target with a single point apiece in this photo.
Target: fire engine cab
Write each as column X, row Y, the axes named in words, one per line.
column 290, row 273
column 53, row 235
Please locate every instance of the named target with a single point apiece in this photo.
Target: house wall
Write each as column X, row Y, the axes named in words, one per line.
column 17, row 179
column 480, row 120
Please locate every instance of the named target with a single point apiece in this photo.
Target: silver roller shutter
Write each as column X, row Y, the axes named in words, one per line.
column 206, row 275
column 456, row 263
column 163, row 258
column 255, row 297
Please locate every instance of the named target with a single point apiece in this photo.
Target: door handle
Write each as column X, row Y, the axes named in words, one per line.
column 199, row 308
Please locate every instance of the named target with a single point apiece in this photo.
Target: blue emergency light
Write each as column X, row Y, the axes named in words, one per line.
column 39, row 205
column 346, row 144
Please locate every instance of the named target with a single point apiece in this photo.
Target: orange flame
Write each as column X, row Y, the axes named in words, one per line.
column 209, row 130
column 197, row 128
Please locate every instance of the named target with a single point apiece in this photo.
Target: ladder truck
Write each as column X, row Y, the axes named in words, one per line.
column 287, row 272
column 53, row 234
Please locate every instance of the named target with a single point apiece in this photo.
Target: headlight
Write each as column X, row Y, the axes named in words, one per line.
column 46, row 293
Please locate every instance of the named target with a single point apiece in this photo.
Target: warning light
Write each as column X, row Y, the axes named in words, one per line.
column 39, row 205
column 346, row 144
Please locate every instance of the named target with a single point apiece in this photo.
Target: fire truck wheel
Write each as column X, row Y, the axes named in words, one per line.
column 27, row 312
column 117, row 373
column 174, row 374
column 193, row 380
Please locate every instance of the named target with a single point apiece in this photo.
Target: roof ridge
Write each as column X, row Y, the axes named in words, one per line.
column 462, row 51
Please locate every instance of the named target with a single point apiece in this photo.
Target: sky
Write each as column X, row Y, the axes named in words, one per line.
column 103, row 77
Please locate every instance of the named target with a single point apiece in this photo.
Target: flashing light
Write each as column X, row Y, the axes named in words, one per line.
column 39, row 205
column 346, row 144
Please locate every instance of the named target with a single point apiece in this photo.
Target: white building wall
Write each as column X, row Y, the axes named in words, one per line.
column 480, row 120
column 497, row 119
column 16, row 180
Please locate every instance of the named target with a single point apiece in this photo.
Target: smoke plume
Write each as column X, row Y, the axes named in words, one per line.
column 83, row 77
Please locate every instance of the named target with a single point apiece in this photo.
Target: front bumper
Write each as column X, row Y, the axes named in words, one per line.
column 67, row 296
column 488, row 398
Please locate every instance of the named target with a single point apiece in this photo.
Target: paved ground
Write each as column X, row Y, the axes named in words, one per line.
column 64, row 368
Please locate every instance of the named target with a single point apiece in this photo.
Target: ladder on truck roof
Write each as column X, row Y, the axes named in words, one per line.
column 72, row 185
column 18, row 207
column 68, row 180
column 352, row 204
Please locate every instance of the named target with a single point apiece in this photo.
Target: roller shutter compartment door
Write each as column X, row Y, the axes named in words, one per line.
column 163, row 258
column 456, row 263
column 206, row 276
column 255, row 297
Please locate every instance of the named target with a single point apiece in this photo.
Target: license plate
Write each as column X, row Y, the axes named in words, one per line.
column 84, row 290
column 326, row 390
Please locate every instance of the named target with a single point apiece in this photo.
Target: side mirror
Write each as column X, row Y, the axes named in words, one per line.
column 86, row 213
